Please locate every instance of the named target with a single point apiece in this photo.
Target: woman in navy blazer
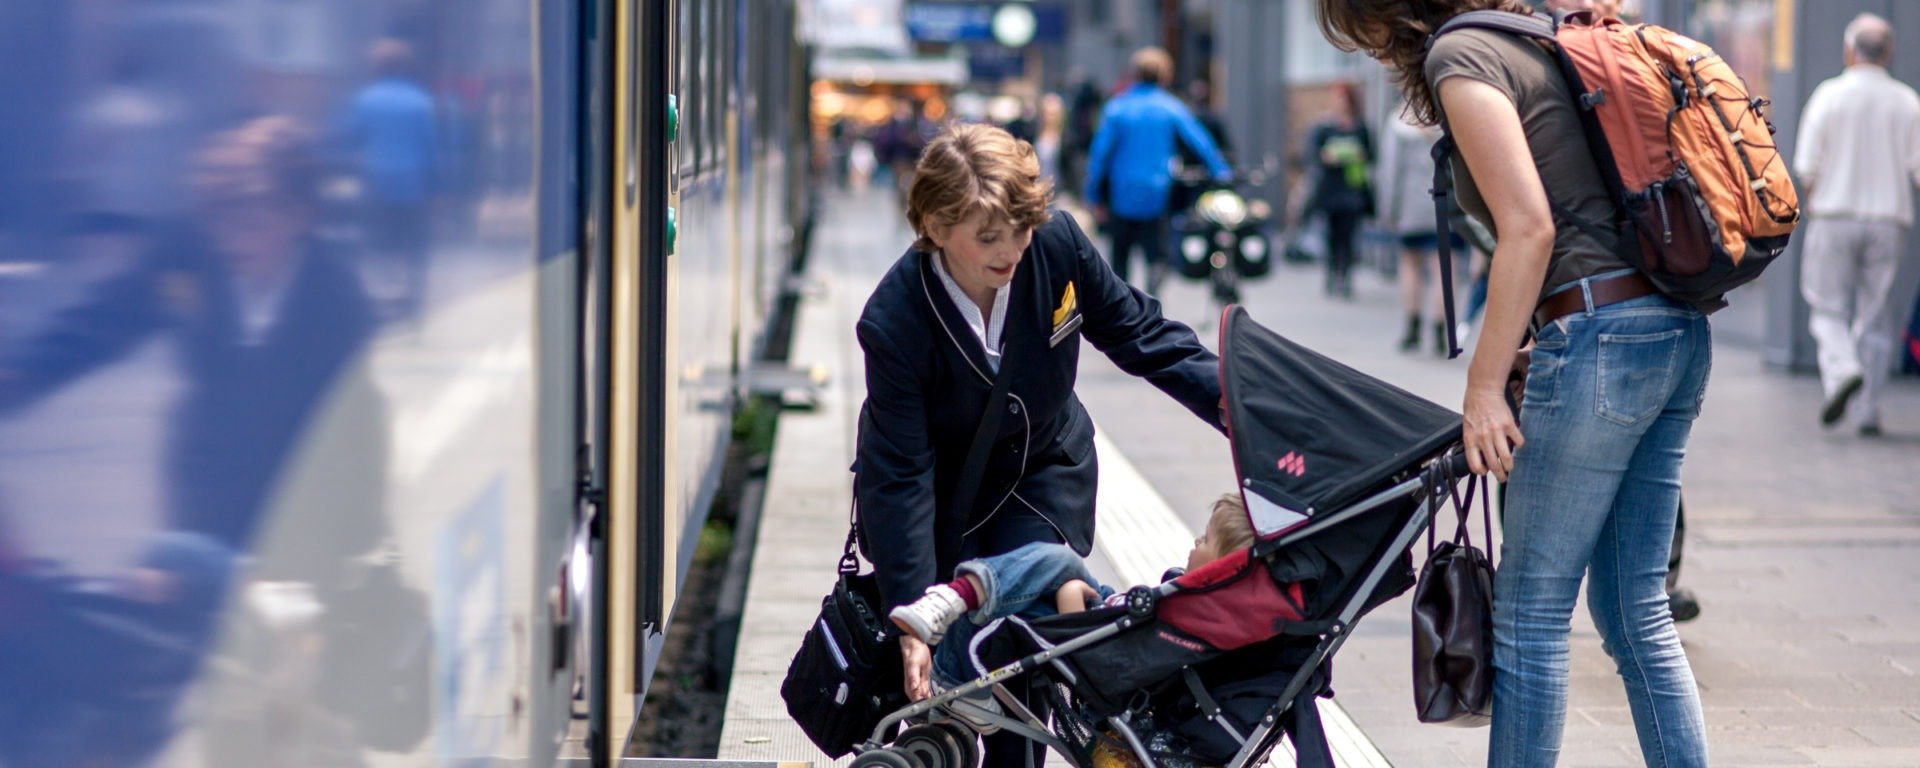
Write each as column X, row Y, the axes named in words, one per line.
column 994, row 269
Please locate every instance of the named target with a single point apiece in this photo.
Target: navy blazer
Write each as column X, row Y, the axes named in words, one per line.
column 927, row 385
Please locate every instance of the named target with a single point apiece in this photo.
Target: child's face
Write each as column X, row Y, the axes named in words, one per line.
column 1205, row 549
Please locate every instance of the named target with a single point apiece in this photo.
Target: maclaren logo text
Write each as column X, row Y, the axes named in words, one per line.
column 1293, row 464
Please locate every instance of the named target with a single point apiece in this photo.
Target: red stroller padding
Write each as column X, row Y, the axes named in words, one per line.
column 1231, row 603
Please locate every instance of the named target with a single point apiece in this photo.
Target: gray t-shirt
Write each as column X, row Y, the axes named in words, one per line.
column 1528, row 75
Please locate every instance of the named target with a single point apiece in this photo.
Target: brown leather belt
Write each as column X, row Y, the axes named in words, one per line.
column 1612, row 290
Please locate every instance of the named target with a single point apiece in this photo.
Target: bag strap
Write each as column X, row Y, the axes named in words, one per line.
column 970, row 472
column 1463, row 509
column 1535, row 25
column 976, row 466
column 1440, row 475
column 1442, row 192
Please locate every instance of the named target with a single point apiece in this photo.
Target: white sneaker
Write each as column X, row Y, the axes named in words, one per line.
column 928, row 617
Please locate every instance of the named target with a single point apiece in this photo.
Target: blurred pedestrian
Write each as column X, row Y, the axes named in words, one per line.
column 1128, row 180
column 1602, row 8
column 861, row 163
column 1342, row 149
column 267, row 322
column 1050, row 141
column 1858, row 160
column 1615, row 379
column 1188, row 188
column 1200, row 100
column 1407, row 210
column 392, row 130
column 1083, row 119
column 898, row 143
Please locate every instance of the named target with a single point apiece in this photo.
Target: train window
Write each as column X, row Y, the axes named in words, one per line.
column 723, row 51
column 751, row 61
column 687, row 47
column 713, row 43
column 630, row 175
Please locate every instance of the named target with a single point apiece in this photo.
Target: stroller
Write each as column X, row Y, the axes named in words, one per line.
column 1339, row 472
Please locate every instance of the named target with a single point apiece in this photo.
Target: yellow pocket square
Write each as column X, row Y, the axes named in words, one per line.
column 1066, row 318
column 1068, row 303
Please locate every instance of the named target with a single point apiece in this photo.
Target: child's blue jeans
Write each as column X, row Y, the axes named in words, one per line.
column 1024, row 582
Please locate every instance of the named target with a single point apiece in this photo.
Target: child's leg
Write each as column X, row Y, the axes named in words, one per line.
column 1023, row 578
column 951, row 665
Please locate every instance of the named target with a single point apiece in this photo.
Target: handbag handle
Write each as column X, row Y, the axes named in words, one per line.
column 1441, row 476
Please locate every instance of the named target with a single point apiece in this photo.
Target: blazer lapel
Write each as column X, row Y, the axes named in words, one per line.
column 952, row 324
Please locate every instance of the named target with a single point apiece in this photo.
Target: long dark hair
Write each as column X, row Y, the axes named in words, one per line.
column 1395, row 33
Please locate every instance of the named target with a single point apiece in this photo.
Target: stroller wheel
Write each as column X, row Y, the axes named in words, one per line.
column 966, row 742
column 931, row 746
column 882, row 758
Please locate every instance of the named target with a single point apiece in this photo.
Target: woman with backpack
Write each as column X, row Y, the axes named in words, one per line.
column 1616, row 377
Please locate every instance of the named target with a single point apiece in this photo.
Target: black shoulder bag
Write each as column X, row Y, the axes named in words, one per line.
column 1453, row 623
column 847, row 675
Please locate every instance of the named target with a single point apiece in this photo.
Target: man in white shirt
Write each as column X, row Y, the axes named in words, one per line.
column 1858, row 160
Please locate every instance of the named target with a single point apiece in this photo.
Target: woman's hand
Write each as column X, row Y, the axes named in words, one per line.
column 1489, row 431
column 916, row 659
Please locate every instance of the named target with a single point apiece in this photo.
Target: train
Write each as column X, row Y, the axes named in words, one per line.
column 367, row 366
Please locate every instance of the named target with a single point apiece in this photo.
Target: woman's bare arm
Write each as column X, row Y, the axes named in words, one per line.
column 1486, row 125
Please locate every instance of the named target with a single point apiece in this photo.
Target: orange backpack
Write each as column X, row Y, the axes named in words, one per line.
column 1703, row 199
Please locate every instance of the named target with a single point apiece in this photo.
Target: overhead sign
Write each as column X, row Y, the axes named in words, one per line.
column 857, row 24
column 1013, row 24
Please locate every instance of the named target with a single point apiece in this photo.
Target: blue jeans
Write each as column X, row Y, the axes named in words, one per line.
column 1021, row 582
column 1611, row 395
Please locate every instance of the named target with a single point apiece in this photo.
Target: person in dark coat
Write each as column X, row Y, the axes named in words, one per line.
column 996, row 285
column 268, row 322
column 1342, row 149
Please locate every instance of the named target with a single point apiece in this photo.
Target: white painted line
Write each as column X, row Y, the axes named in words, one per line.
column 1143, row 537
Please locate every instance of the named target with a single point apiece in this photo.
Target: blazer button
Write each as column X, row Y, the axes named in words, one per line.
column 1013, row 408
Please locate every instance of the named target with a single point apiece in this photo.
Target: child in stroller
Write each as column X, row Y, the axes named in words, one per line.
column 1338, row 473
column 1034, row 580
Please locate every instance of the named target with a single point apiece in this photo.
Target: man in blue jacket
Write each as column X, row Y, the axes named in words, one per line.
column 1129, row 176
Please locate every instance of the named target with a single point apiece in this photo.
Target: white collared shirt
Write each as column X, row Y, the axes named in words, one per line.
column 261, row 303
column 987, row 330
column 1859, row 147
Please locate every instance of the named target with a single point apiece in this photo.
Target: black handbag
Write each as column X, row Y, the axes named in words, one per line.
column 848, row 673
column 1453, row 625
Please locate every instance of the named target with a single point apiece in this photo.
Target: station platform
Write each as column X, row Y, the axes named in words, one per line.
column 1804, row 544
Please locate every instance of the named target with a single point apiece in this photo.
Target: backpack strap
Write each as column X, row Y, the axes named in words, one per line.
column 1538, row 26
column 1442, row 192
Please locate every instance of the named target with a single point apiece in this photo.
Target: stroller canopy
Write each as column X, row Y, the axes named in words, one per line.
column 1309, row 434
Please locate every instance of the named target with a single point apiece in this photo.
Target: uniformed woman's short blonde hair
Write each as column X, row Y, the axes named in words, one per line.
column 970, row 168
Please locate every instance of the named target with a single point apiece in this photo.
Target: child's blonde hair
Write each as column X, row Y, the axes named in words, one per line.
column 1229, row 523
column 970, row 168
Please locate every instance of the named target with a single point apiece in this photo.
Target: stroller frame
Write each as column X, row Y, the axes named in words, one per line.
column 1430, row 478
